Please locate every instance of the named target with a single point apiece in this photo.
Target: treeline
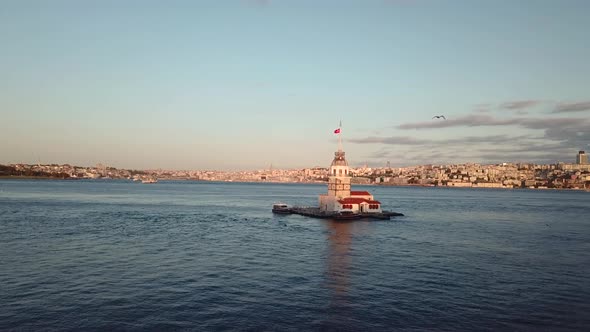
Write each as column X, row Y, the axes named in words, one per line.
column 12, row 171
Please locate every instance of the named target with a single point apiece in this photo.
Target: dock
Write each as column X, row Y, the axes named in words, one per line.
column 315, row 212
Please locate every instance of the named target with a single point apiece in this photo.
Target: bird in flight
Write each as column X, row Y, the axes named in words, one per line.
column 439, row 116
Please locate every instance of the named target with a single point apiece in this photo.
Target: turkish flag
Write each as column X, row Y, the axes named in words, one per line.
column 337, row 131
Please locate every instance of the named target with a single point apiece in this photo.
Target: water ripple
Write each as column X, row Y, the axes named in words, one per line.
column 121, row 256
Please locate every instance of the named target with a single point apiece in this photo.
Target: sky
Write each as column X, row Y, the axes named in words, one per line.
column 237, row 84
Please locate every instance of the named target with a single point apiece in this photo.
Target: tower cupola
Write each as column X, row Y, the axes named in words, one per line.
column 339, row 165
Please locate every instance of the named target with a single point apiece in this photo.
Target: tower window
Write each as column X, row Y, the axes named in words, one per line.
column 340, row 171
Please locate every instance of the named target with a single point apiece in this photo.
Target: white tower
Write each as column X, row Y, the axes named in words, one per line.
column 338, row 180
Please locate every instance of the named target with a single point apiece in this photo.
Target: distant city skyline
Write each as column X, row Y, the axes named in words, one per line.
column 232, row 85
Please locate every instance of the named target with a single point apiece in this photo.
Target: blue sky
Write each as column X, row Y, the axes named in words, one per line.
column 244, row 84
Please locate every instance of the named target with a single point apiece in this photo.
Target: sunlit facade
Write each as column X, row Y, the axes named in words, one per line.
column 582, row 158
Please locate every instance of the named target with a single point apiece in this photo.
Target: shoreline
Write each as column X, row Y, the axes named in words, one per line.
column 30, row 177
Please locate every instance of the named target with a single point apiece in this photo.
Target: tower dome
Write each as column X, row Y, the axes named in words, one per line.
column 339, row 165
column 339, row 159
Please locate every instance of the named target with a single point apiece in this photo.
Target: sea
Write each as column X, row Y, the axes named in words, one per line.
column 115, row 255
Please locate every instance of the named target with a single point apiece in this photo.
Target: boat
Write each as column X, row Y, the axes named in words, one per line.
column 281, row 208
column 151, row 180
column 347, row 215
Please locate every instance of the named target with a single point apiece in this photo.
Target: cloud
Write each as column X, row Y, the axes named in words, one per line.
column 468, row 140
column 574, row 136
column 395, row 140
column 480, row 120
column 554, row 139
column 520, row 104
column 404, row 158
column 482, row 108
column 547, row 123
column 494, row 139
column 558, row 143
column 399, row 2
column 533, row 153
column 572, row 107
column 472, row 120
column 258, row 3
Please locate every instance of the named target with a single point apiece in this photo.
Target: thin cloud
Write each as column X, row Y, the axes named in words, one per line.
column 257, row 3
column 536, row 123
column 520, row 104
column 560, row 136
column 399, row 2
column 572, row 107
column 556, row 145
column 393, row 140
column 480, row 120
column 482, row 108
column 472, row 120
column 494, row 139
column 575, row 136
column 405, row 140
column 474, row 154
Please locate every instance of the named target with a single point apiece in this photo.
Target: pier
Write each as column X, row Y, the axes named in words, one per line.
column 315, row 212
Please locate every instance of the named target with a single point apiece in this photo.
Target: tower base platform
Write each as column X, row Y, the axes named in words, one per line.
column 317, row 213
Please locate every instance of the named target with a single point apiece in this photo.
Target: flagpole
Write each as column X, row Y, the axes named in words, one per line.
column 340, row 137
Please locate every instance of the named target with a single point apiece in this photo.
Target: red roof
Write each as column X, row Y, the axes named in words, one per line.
column 356, row 200
column 360, row 193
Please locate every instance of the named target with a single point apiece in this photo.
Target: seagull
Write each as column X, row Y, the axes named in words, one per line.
column 439, row 116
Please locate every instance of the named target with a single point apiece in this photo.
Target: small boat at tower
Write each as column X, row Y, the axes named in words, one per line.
column 347, row 215
column 281, row 208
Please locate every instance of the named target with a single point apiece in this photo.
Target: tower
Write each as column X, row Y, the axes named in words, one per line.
column 582, row 158
column 339, row 178
column 340, row 199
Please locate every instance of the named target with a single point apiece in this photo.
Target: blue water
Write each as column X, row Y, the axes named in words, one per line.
column 117, row 255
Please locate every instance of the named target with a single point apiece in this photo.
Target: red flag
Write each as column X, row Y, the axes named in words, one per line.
column 337, row 131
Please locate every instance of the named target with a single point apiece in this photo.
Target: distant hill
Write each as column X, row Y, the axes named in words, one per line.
column 12, row 171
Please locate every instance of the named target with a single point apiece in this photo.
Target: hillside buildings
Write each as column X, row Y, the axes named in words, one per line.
column 503, row 175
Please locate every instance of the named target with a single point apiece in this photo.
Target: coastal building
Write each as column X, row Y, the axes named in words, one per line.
column 582, row 158
column 339, row 197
